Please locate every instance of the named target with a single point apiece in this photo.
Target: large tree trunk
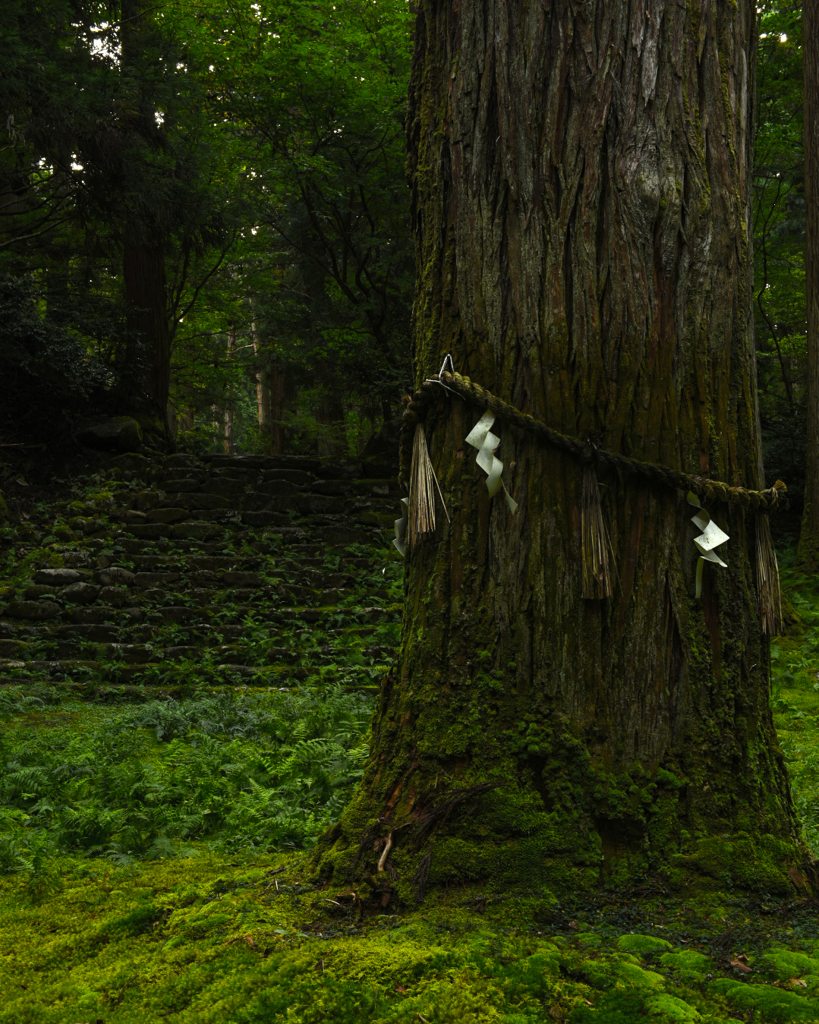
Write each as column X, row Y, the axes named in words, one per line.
column 809, row 536
column 581, row 185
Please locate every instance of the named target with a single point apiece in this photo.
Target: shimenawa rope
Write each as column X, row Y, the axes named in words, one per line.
column 710, row 490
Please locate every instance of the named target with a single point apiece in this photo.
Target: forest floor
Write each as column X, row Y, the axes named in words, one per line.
column 186, row 915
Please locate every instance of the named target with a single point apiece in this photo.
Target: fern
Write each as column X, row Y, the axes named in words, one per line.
column 240, row 771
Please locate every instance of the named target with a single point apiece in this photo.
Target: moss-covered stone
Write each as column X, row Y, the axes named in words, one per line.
column 118, row 434
column 751, row 861
column 690, row 964
column 671, row 1009
column 772, row 1004
column 642, row 943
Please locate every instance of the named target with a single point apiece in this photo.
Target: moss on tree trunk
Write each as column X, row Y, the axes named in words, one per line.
column 581, row 187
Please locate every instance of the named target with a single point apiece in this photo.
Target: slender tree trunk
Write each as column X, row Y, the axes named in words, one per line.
column 262, row 387
column 262, row 400
column 230, row 437
column 276, row 391
column 581, row 191
column 186, row 419
column 809, row 536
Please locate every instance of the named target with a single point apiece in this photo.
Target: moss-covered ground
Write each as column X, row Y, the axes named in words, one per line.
column 155, row 867
column 211, row 939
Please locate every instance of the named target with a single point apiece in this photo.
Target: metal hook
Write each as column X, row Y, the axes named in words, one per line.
column 447, row 359
column 437, row 380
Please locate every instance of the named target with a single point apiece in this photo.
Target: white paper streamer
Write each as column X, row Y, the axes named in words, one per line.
column 401, row 528
column 710, row 538
column 482, row 438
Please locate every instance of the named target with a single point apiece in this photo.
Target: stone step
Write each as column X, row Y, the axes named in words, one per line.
column 234, row 565
column 156, row 671
column 135, row 693
column 278, row 492
column 209, row 614
column 253, row 557
column 312, row 586
column 261, row 652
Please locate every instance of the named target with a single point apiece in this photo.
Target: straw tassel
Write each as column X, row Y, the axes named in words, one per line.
column 422, row 495
column 596, row 565
column 767, row 579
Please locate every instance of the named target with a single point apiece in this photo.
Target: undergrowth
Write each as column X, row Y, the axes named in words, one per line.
column 150, row 870
column 795, row 695
column 253, row 772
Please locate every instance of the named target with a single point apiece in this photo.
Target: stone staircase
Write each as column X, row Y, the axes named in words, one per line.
column 215, row 571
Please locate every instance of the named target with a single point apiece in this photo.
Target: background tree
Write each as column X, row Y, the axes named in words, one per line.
column 582, row 183
column 168, row 193
column 779, row 237
column 318, row 94
column 57, row 325
column 106, row 155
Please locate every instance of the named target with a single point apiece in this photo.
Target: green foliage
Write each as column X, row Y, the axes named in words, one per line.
column 319, row 287
column 250, row 772
column 238, row 143
column 321, row 90
column 40, row 353
column 104, row 146
column 779, row 235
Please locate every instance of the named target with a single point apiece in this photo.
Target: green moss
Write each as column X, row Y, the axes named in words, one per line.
column 771, row 1003
column 204, row 940
column 787, row 964
column 642, row 943
column 637, row 977
column 670, row 1008
column 749, row 861
column 688, row 963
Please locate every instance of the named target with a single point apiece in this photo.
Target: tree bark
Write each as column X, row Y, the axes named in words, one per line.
column 262, row 386
column 809, row 535
column 581, row 186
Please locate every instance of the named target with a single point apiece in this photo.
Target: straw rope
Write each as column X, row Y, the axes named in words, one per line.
column 709, row 490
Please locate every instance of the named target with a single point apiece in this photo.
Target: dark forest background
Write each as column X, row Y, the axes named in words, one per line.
column 204, row 226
